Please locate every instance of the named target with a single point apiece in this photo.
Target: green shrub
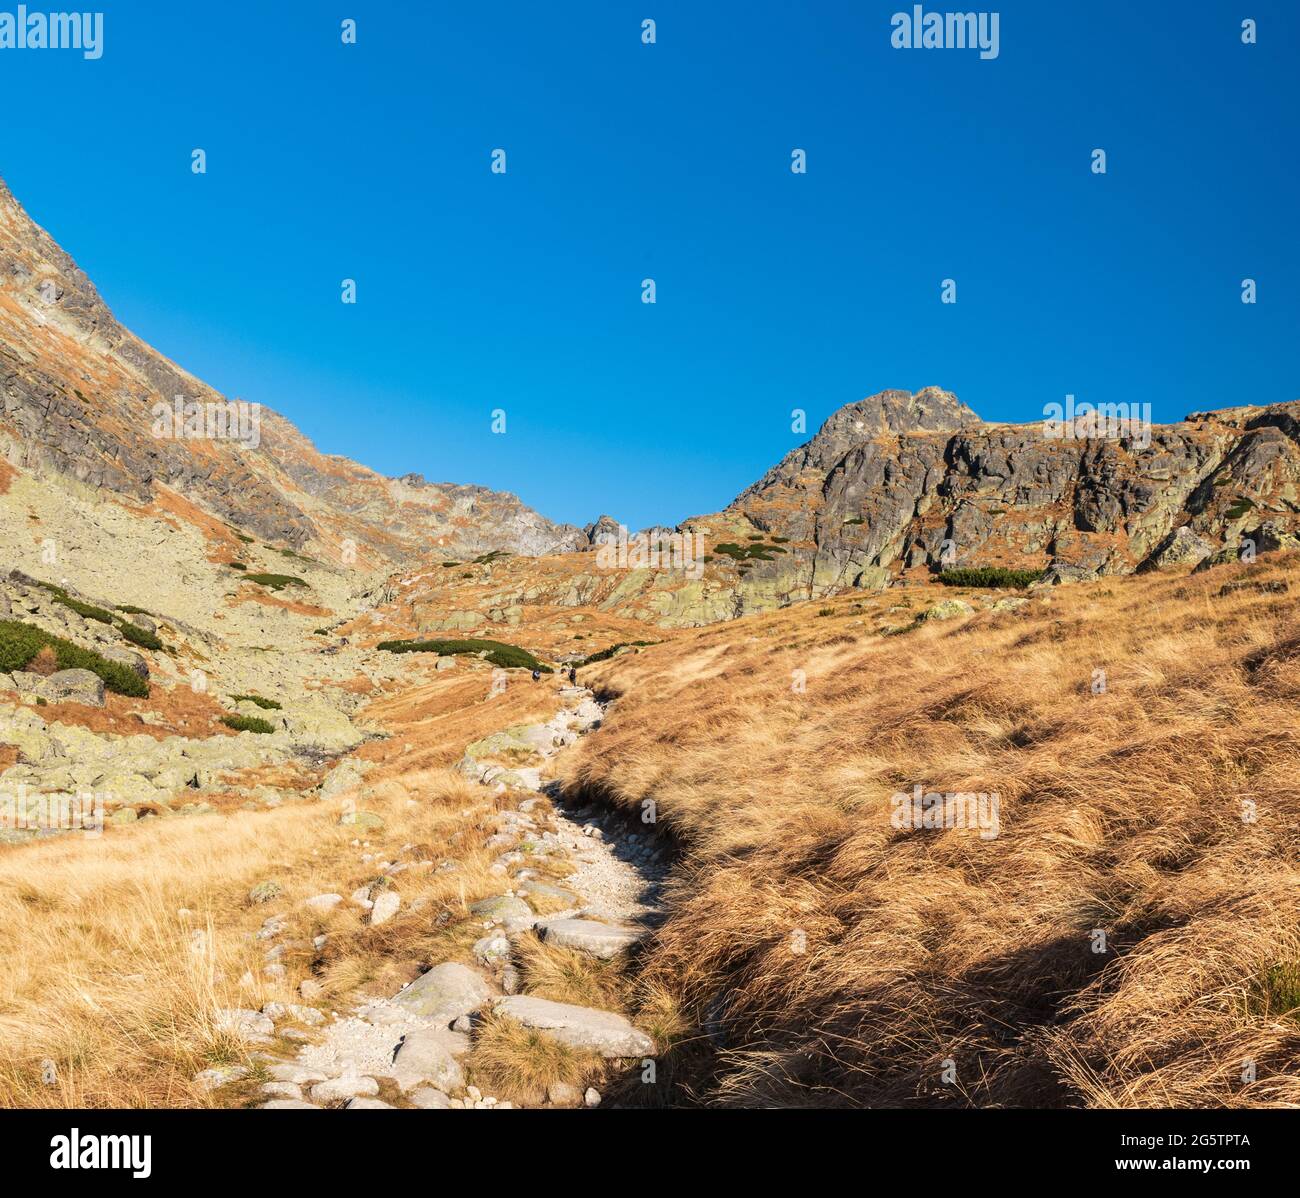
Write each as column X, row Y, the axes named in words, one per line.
column 237, row 565
column 606, row 654
column 449, row 565
column 277, row 582
column 855, row 520
column 19, row 643
column 1240, row 508
column 264, row 704
column 499, row 654
column 246, row 540
column 246, row 723
column 88, row 610
column 131, row 610
column 138, row 636
column 494, row 555
column 988, row 576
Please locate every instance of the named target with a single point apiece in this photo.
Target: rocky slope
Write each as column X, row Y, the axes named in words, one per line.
column 80, row 391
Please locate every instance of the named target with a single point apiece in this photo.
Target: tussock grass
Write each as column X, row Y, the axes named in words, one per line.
column 824, row 957
column 518, row 1064
column 118, row 951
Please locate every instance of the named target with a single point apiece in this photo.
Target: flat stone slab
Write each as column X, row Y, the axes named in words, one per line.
column 603, row 940
column 446, row 992
column 584, row 1028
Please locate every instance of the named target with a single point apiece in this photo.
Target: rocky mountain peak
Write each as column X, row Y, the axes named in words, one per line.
column 885, row 414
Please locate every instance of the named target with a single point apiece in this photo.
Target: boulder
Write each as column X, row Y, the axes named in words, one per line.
column 385, row 906
column 446, row 992
column 948, row 609
column 133, row 661
column 425, row 1058
column 74, row 686
column 426, row 1098
column 585, row 1029
column 589, row 936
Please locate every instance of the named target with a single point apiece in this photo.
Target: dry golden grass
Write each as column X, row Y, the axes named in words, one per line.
column 118, row 951
column 829, row 959
column 518, row 1064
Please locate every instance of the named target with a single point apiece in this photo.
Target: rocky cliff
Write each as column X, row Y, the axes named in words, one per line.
column 899, row 482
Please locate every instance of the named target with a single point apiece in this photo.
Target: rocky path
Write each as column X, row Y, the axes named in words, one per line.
column 417, row 1037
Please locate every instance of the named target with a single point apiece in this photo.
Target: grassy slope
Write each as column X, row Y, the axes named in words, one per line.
column 1120, row 811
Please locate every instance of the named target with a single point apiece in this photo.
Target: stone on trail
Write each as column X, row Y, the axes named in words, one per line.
column 584, row 1028
column 601, row 940
column 542, row 889
column 220, row 1075
column 287, row 1010
column 446, row 992
column 282, row 1090
column 289, row 1104
column 345, row 1087
column 516, row 914
column 368, row 1104
column 429, row 1099
column 425, row 1058
column 563, row 1094
column 492, row 951
column 323, row 904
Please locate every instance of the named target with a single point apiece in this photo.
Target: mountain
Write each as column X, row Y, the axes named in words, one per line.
column 899, row 482
column 81, row 404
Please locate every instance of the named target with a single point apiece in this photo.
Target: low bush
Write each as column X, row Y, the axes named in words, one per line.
column 264, row 704
column 247, row 723
column 277, row 582
column 138, row 636
column 19, row 643
column 499, row 654
column 988, row 576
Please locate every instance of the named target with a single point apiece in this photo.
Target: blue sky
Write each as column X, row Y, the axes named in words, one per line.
column 774, row 291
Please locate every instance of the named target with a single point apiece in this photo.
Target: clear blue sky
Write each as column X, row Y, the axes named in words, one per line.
column 625, row 161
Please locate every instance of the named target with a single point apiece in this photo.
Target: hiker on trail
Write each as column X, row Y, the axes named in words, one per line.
column 536, row 675
column 573, row 675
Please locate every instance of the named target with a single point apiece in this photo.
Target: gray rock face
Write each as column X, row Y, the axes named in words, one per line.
column 906, row 481
column 446, row 992
column 584, row 1028
column 589, row 936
